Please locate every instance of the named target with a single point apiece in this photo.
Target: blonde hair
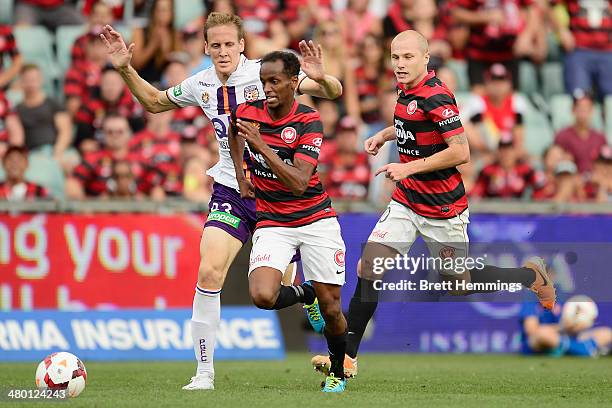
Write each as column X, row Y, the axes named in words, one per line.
column 215, row 19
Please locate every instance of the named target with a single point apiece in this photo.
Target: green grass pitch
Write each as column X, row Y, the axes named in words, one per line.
column 384, row 380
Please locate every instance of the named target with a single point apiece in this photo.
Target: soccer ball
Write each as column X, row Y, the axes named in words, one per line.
column 62, row 371
column 579, row 313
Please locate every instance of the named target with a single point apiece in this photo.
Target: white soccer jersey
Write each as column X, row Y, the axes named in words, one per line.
column 204, row 89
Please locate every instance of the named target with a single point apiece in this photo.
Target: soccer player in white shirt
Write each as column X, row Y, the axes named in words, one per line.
column 233, row 79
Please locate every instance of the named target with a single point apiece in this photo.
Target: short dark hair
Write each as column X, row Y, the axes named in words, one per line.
column 22, row 150
column 291, row 63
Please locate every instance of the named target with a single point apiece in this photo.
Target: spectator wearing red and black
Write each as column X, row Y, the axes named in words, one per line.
column 508, row 177
column 580, row 140
column 561, row 180
column 495, row 32
column 49, row 13
column 157, row 142
column 495, row 115
column 15, row 187
column 8, row 51
column 83, row 77
column 372, row 75
column 346, row 173
column 112, row 97
column 100, row 15
column 587, row 43
column 599, row 185
column 301, row 16
column 422, row 16
column 91, row 177
column 11, row 129
column 264, row 31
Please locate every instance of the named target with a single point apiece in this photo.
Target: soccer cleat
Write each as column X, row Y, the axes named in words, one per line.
column 313, row 312
column 333, row 384
column 322, row 364
column 201, row 382
column 543, row 286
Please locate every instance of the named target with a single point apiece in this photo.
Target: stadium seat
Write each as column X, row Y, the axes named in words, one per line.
column 608, row 117
column 561, row 110
column 538, row 132
column 36, row 45
column 528, row 78
column 6, row 11
column 186, row 11
column 554, row 49
column 44, row 170
column 552, row 79
column 65, row 38
column 460, row 70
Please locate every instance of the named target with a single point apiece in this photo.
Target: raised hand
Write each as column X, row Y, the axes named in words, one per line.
column 312, row 60
column 373, row 144
column 120, row 55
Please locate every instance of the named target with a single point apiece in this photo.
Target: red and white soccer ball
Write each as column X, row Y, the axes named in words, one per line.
column 62, row 371
column 579, row 313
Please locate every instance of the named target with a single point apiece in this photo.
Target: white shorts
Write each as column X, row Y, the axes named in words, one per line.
column 399, row 227
column 320, row 243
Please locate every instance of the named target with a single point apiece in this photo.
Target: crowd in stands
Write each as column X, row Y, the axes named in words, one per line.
column 81, row 134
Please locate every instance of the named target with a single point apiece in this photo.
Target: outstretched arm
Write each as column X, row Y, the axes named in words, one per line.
column 151, row 98
column 317, row 82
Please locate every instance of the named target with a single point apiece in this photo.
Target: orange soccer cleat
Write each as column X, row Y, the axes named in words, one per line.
column 323, row 365
column 543, row 286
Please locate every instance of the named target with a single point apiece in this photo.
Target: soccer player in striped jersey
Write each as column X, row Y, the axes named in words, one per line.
column 429, row 199
column 293, row 210
column 233, row 79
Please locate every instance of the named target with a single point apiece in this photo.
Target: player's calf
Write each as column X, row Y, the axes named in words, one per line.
column 267, row 292
column 335, row 326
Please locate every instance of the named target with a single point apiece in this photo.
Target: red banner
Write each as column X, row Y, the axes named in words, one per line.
column 98, row 261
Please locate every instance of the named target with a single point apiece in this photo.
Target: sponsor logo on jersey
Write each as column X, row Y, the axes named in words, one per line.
column 251, row 93
column 205, row 98
column 260, row 258
column 289, row 135
column 204, row 84
column 317, row 141
column 448, row 112
column 448, row 121
column 177, row 90
column 339, row 257
column 412, row 107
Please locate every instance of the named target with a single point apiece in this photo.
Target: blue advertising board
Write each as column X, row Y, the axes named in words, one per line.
column 245, row 333
column 577, row 246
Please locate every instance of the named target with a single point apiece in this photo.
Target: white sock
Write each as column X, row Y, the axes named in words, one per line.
column 204, row 324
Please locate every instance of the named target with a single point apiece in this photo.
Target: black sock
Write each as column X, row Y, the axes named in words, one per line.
column 309, row 294
column 337, row 348
column 361, row 309
column 493, row 274
column 288, row 296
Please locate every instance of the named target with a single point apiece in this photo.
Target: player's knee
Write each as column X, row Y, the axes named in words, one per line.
column 330, row 307
column 544, row 338
column 210, row 276
column 262, row 297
